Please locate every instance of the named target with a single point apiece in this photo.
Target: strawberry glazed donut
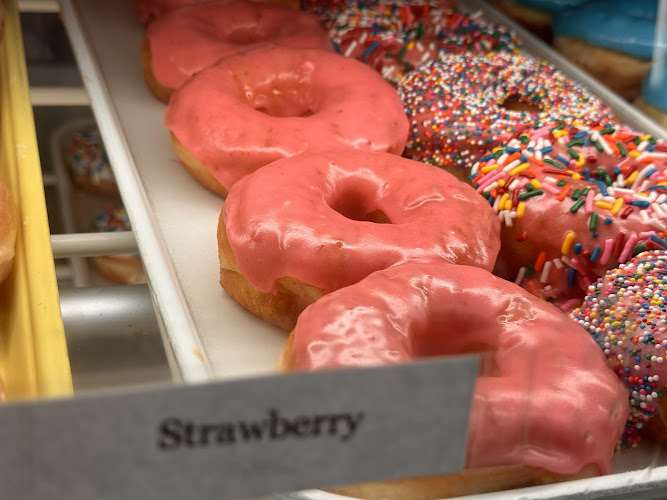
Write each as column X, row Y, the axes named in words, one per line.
column 150, row 10
column 189, row 39
column 545, row 406
column 464, row 104
column 574, row 202
column 252, row 109
column 304, row 226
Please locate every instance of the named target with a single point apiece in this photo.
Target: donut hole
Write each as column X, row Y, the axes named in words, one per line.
column 436, row 339
column 265, row 111
column 520, row 103
column 284, row 97
column 245, row 35
column 354, row 206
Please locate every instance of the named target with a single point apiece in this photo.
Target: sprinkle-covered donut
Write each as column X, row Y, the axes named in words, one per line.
column 123, row 268
column 394, row 38
column 88, row 163
column 112, row 219
column 328, row 10
column 544, row 398
column 325, row 221
column 456, row 106
column 574, row 202
column 189, row 39
column 626, row 313
column 293, row 101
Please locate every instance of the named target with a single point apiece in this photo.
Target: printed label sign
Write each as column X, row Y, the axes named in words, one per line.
column 240, row 438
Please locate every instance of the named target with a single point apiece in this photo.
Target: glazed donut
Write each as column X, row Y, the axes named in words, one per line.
column 574, row 202
column 125, row 269
column 462, row 105
column 8, row 228
column 626, row 313
column 304, row 226
column 610, row 39
column 88, row 164
column 192, row 38
column 150, row 10
column 545, row 406
column 394, row 38
column 293, row 101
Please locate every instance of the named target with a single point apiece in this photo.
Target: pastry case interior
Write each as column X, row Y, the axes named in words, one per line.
column 135, row 360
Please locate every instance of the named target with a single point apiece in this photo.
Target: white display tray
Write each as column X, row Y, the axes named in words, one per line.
column 175, row 218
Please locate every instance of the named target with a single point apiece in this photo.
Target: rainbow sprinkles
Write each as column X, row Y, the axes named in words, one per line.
column 457, row 105
column 574, row 201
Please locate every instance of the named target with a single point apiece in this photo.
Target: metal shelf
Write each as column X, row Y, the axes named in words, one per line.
column 113, row 333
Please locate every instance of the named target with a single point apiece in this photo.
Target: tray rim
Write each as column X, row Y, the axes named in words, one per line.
column 182, row 342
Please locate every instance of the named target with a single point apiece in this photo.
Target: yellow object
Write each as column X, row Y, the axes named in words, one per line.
column 567, row 243
column 616, row 207
column 33, row 351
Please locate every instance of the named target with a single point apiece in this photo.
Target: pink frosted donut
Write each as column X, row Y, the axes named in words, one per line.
column 544, row 398
column 150, row 10
column 328, row 220
column 191, row 38
column 251, row 109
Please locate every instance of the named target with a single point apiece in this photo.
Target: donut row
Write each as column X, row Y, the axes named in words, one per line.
column 369, row 258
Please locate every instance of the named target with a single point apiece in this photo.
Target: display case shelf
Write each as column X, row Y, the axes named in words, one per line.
column 206, row 335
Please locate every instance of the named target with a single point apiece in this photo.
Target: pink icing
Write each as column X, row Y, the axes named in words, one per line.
column 150, row 10
column 544, row 397
column 191, row 38
column 352, row 108
column 286, row 219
